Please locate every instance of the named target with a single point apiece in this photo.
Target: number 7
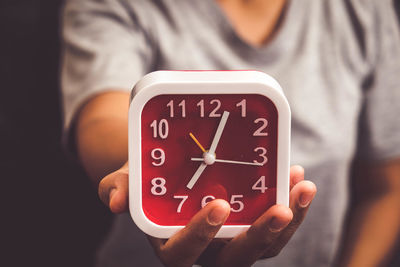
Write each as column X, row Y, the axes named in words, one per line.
column 178, row 210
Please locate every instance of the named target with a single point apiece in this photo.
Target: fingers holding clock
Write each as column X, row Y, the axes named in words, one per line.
column 271, row 232
column 186, row 246
column 296, row 175
column 113, row 190
column 251, row 245
column 301, row 197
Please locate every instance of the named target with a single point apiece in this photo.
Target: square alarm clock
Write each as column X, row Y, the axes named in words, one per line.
column 195, row 136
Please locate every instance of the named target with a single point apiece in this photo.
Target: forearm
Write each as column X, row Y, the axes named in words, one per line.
column 102, row 134
column 373, row 223
column 373, row 228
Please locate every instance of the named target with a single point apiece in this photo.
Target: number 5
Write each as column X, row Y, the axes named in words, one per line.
column 235, row 201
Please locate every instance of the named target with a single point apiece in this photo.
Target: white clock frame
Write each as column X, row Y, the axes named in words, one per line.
column 202, row 82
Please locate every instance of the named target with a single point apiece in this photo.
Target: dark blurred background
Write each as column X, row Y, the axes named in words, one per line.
column 50, row 213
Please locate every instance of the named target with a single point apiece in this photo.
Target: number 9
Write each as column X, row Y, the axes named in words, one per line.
column 158, row 154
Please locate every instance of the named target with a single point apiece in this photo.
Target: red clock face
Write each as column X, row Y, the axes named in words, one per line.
column 196, row 148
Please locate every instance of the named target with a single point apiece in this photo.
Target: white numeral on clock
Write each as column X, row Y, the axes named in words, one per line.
column 234, row 201
column 259, row 131
column 260, row 185
column 159, row 155
column 242, row 105
column 262, row 154
column 214, row 113
column 160, row 130
column 181, row 105
column 158, row 188
column 171, row 108
column 178, row 210
column 201, row 105
column 206, row 199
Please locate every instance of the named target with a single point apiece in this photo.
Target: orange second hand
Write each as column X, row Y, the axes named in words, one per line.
column 197, row 142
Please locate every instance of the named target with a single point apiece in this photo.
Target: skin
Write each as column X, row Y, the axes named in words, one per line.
column 101, row 140
column 101, row 135
column 255, row 21
column 373, row 224
column 195, row 243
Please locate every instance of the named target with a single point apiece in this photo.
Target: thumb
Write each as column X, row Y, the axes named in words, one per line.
column 113, row 190
column 185, row 247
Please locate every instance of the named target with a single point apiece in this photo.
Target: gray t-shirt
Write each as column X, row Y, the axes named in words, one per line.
column 337, row 61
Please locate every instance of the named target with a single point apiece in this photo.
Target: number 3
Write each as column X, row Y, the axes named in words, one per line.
column 262, row 154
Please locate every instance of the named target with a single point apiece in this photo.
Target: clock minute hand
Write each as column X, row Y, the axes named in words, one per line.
column 211, row 151
column 230, row 161
column 218, row 133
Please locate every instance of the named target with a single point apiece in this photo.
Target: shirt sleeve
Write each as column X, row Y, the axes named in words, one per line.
column 105, row 47
column 379, row 135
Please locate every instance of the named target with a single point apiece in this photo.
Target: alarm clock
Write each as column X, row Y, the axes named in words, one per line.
column 196, row 136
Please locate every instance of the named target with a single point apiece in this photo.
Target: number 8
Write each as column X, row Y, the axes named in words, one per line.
column 158, row 182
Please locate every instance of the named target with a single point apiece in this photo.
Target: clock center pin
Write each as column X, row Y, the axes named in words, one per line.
column 209, row 158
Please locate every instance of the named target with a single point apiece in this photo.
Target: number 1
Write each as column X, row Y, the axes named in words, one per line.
column 242, row 104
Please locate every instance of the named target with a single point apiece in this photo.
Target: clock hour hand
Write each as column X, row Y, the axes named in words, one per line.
column 230, row 161
column 197, row 143
column 196, row 175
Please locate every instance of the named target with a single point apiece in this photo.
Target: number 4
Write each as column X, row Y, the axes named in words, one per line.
column 260, row 185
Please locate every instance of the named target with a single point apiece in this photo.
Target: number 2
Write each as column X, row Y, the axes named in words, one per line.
column 259, row 131
column 214, row 113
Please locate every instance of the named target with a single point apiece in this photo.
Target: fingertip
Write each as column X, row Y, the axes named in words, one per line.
column 283, row 212
column 297, row 170
column 219, row 212
column 310, row 186
column 309, row 190
column 222, row 203
column 296, row 175
column 118, row 202
column 280, row 217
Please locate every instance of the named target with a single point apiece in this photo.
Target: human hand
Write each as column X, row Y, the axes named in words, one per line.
column 195, row 243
